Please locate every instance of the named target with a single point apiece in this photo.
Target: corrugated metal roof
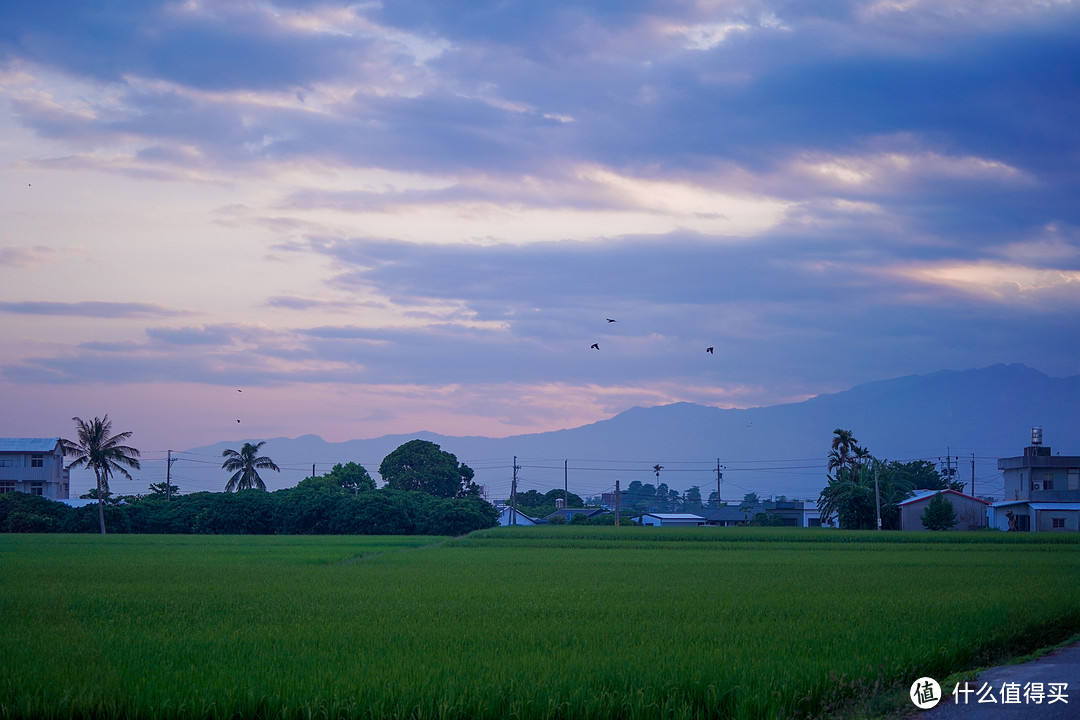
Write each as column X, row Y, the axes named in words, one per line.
column 28, row 444
column 1009, row 503
column 923, row 494
column 674, row 516
column 725, row 513
column 1055, row 506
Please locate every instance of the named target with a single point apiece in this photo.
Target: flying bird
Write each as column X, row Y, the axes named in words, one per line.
column 709, row 350
column 612, row 320
column 237, row 421
column 239, row 390
column 595, row 346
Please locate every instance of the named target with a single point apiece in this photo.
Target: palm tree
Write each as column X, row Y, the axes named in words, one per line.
column 103, row 453
column 843, row 443
column 245, row 466
column 860, row 456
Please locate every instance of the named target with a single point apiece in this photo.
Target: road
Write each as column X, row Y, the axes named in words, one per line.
column 1059, row 666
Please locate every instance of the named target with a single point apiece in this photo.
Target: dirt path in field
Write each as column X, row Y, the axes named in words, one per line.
column 1009, row 682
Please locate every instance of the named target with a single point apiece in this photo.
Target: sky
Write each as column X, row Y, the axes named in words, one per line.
column 236, row 219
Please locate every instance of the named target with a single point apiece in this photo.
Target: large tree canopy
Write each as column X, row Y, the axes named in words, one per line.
column 352, row 476
column 421, row 465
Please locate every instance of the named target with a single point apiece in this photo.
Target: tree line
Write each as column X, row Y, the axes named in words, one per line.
column 316, row 506
column 427, row 491
column 857, row 481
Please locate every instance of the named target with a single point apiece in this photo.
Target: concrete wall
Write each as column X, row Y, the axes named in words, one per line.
column 1044, row 520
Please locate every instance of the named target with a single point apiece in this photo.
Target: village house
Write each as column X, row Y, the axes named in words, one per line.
column 567, row 515
column 1042, row 491
column 510, row 516
column 34, row 466
column 970, row 511
column 670, row 519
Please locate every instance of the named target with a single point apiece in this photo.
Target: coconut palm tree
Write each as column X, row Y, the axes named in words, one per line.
column 102, row 452
column 245, row 466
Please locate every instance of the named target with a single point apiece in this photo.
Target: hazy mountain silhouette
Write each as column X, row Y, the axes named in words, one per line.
column 988, row 412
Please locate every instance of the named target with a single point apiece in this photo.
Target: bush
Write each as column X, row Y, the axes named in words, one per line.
column 22, row 512
column 24, row 522
column 458, row 517
column 939, row 514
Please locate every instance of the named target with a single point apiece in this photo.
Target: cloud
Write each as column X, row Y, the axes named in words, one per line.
column 215, row 336
column 450, row 198
column 298, row 303
column 92, row 309
column 998, row 281
column 1054, row 244
column 27, row 257
column 885, row 170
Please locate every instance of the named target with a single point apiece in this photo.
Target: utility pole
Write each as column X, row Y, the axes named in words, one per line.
column 513, row 495
column 719, row 482
column 877, row 496
column 972, row 474
column 618, row 504
column 168, row 476
column 950, row 471
column 565, row 486
column 312, row 470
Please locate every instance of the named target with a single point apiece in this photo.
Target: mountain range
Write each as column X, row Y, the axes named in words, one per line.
column 974, row 416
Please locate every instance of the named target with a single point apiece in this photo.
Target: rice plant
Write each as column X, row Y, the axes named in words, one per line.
column 517, row 622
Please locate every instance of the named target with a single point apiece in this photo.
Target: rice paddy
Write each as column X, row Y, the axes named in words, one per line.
column 558, row 622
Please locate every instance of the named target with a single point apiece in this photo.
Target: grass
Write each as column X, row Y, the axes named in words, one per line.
column 558, row 622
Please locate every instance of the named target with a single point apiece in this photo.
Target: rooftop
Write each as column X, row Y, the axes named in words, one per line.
column 675, row 516
column 35, row 445
column 923, row 494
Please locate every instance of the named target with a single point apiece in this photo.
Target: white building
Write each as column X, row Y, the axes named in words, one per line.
column 34, row 466
column 1042, row 490
column 510, row 516
column 670, row 519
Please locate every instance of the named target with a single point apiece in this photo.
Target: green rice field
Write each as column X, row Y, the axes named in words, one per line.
column 556, row 622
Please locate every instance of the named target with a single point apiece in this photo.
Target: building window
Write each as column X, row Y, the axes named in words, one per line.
column 37, row 488
column 37, row 460
column 9, row 461
column 1074, row 479
column 1048, row 484
column 7, row 486
column 1059, row 523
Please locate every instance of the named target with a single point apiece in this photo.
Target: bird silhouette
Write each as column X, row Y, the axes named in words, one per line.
column 709, row 350
column 612, row 320
column 237, row 421
column 595, row 346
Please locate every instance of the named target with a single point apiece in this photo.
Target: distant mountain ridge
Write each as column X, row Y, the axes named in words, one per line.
column 986, row 412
